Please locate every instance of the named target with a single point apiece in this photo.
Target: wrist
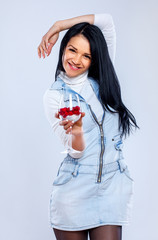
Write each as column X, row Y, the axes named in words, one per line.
column 77, row 131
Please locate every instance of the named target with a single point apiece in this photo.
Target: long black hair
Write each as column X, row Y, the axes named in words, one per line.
column 102, row 71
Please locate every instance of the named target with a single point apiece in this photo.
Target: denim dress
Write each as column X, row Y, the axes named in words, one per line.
column 96, row 189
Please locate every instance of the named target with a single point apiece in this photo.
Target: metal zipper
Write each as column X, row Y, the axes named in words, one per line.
column 101, row 133
column 102, row 145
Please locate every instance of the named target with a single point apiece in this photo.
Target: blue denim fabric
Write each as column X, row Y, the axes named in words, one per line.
column 97, row 188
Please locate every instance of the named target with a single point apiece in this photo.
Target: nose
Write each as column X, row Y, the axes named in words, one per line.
column 76, row 60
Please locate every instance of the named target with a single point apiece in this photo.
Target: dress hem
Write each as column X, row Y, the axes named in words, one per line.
column 90, row 226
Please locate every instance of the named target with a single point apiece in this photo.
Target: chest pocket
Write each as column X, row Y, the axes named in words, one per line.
column 118, row 143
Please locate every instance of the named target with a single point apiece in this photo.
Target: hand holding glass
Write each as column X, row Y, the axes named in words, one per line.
column 70, row 111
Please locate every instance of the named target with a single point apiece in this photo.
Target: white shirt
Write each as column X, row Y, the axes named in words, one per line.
column 80, row 84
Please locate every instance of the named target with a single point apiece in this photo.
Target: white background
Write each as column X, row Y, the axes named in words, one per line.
column 30, row 153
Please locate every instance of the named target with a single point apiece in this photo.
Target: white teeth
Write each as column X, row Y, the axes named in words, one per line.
column 74, row 66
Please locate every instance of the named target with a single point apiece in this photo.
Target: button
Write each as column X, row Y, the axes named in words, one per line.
column 75, row 172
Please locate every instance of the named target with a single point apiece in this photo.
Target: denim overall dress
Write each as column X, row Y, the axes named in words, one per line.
column 96, row 189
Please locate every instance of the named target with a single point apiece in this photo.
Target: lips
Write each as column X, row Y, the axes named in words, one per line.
column 73, row 67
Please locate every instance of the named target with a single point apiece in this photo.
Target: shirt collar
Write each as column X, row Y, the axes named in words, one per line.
column 73, row 80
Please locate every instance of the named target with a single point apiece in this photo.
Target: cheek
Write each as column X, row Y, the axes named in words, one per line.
column 66, row 57
column 64, row 60
column 88, row 64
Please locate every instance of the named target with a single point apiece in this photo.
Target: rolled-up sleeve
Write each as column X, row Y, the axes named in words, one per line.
column 105, row 22
column 51, row 99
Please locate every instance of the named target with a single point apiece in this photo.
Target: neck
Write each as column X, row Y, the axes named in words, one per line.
column 73, row 80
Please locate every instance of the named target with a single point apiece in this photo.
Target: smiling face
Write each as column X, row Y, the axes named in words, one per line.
column 77, row 56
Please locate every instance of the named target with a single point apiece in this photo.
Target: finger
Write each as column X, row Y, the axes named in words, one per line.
column 66, row 126
column 69, row 130
column 50, row 48
column 82, row 114
column 66, row 123
column 42, row 51
column 63, row 122
column 44, row 46
column 70, row 123
column 47, row 44
column 57, row 115
column 39, row 52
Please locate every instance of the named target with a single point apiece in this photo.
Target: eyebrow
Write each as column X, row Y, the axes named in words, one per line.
column 76, row 49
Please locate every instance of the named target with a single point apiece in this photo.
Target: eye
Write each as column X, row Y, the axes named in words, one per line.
column 87, row 56
column 71, row 49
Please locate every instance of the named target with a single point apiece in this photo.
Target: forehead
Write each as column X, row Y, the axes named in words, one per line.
column 80, row 42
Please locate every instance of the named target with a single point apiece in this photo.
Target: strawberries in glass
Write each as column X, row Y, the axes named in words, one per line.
column 64, row 112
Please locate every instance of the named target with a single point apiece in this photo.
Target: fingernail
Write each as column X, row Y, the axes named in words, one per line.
column 72, row 122
column 66, row 120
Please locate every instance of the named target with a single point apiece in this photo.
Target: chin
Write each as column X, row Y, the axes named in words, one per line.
column 72, row 74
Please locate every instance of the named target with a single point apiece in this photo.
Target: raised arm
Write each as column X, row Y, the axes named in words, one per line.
column 103, row 21
column 50, row 38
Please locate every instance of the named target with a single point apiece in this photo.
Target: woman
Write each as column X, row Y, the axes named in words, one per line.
column 93, row 190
